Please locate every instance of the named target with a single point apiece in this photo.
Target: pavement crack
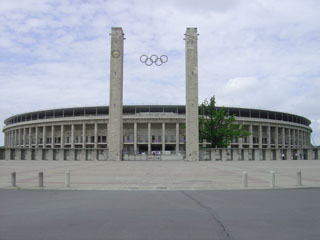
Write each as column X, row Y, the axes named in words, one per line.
column 225, row 233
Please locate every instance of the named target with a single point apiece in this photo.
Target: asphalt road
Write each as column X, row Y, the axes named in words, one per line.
column 220, row 214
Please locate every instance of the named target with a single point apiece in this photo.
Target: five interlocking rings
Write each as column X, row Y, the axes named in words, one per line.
column 154, row 59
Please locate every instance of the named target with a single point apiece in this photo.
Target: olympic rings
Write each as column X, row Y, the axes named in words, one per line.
column 154, row 59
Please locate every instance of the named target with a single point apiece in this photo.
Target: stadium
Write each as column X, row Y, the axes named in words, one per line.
column 151, row 132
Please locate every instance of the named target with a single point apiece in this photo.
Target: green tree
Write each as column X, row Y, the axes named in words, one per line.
column 216, row 126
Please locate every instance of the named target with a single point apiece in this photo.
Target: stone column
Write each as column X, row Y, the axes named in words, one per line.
column 37, row 137
column 276, row 137
column 177, row 138
column 269, row 136
column 5, row 140
column 240, row 139
column 7, row 154
column 50, row 154
column 294, row 138
column 44, row 137
column 18, row 154
column 96, row 136
column 192, row 121
column 15, row 138
column 163, row 137
column 257, row 154
column 62, row 137
column 224, row 154
column 289, row 154
column 83, row 135
column 299, row 139
column 310, row 154
column 61, row 154
column 289, row 138
column 235, row 154
column 19, row 137
column 12, row 138
column 30, row 137
column 39, row 154
column 251, row 136
column 115, row 134
column 283, row 137
column 24, row 138
column 278, row 155
column 260, row 136
column 135, row 139
column 213, row 154
column 72, row 136
column 9, row 138
column 52, row 136
column 268, row 154
column 149, row 137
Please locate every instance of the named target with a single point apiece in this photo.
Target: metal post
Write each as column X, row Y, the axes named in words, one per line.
column 40, row 179
column 244, row 179
column 13, row 179
column 272, row 179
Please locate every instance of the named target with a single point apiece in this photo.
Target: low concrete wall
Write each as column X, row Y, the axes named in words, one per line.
column 206, row 154
column 48, row 154
column 249, row 154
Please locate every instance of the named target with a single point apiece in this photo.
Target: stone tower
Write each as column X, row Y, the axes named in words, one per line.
column 115, row 126
column 192, row 112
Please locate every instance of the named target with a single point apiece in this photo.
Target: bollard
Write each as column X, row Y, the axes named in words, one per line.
column 13, row 179
column 67, row 181
column 40, row 179
column 299, row 178
column 244, row 179
column 272, row 179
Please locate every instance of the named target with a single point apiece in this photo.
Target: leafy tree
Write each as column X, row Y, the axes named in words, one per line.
column 216, row 126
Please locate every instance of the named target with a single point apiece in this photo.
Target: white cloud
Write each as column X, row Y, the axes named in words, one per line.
column 260, row 54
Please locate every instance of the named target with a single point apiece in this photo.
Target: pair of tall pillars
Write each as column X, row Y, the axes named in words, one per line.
column 115, row 128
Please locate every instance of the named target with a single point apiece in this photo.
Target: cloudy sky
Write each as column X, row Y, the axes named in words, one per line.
column 252, row 53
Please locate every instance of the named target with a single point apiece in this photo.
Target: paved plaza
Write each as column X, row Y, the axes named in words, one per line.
column 159, row 175
column 288, row 214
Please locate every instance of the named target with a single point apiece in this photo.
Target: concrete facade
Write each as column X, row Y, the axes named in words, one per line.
column 116, row 90
column 192, row 111
column 150, row 133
